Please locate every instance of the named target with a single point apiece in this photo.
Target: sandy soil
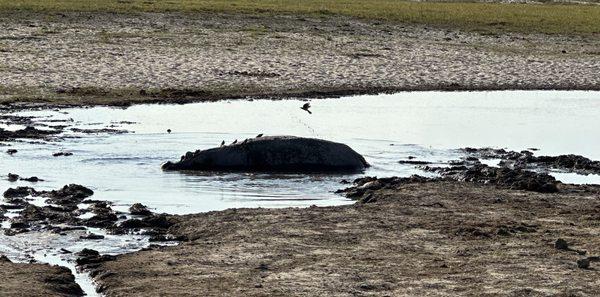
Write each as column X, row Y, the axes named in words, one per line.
column 20, row 279
column 417, row 239
column 109, row 58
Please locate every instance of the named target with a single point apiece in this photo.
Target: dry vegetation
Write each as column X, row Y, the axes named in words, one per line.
column 495, row 17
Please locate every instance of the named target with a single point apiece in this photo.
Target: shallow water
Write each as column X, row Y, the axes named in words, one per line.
column 125, row 168
column 430, row 126
column 46, row 247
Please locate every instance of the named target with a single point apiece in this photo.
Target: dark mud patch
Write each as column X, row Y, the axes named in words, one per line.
column 99, row 131
column 527, row 160
column 12, row 177
column 516, row 179
column 27, row 133
column 29, row 279
column 254, row 73
column 62, row 214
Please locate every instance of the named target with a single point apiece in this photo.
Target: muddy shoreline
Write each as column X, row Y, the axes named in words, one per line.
column 190, row 96
column 24, row 279
column 79, row 59
column 424, row 237
column 500, row 225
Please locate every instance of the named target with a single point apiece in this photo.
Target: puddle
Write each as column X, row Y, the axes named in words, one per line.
column 429, row 126
column 573, row 178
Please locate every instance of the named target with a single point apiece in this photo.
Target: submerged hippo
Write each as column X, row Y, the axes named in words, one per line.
column 274, row 153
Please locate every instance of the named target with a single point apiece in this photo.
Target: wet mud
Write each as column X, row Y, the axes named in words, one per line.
column 423, row 235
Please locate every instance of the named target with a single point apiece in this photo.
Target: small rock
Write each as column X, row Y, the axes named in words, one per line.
column 33, row 179
column 11, row 151
column 368, row 199
column 503, row 232
column 62, row 154
column 18, row 192
column 13, row 177
column 65, row 251
column 561, row 244
column 88, row 253
column 13, row 232
column 594, row 258
column 413, row 162
column 101, row 220
column 91, row 236
column 583, row 263
column 367, row 287
column 19, row 225
column 89, row 256
column 139, row 209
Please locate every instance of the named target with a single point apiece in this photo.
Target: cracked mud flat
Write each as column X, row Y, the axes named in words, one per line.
column 79, row 58
column 415, row 238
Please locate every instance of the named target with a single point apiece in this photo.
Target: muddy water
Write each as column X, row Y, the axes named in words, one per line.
column 125, row 168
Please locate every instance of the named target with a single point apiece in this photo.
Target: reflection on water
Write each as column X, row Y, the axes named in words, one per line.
column 125, row 168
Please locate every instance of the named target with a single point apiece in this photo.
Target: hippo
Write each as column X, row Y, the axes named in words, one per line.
column 274, row 154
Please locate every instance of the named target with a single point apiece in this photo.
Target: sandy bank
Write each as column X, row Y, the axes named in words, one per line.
column 100, row 58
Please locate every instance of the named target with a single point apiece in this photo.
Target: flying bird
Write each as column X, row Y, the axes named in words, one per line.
column 259, row 135
column 306, row 106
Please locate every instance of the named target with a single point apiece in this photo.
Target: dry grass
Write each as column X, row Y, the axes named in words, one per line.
column 493, row 17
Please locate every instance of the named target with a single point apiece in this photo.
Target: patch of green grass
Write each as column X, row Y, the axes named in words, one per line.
column 487, row 17
column 47, row 31
column 256, row 31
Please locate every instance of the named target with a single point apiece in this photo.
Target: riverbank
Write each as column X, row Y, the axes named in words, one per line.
column 97, row 58
column 23, row 279
column 409, row 238
column 41, row 216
